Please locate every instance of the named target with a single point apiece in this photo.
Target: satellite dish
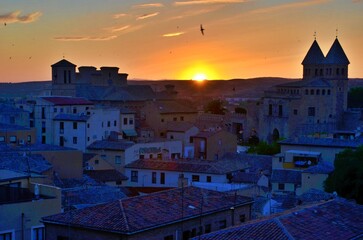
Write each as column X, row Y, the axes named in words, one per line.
column 309, row 162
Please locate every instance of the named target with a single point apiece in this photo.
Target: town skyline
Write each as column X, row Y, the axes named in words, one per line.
column 156, row 40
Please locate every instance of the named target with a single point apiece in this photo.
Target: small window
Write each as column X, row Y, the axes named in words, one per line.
column 153, row 177
column 209, row 178
column 97, row 161
column 12, row 139
column 171, row 137
column 311, row 91
column 29, row 138
column 74, row 140
column 108, row 124
column 318, row 92
column 222, row 224
column 134, row 176
column 131, row 121
column 280, row 110
column 195, row 178
column 323, row 92
column 306, row 92
column 270, row 109
column 162, row 120
column 295, row 111
column 328, row 92
column 114, row 123
column 75, row 125
column 181, row 118
column 117, row 159
column 2, row 138
column 61, row 110
column 311, row 111
column 169, row 237
column 162, row 178
column 38, row 233
column 242, row 218
column 88, row 125
column 55, row 109
column 74, row 110
column 207, row 228
column 7, row 235
column 281, row 186
column 175, row 119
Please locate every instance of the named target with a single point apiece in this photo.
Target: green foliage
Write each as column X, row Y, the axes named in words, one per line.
column 347, row 178
column 215, row 107
column 265, row 149
column 355, row 97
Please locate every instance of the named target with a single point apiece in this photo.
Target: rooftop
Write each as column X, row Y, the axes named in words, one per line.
column 324, row 142
column 60, row 101
column 106, row 175
column 110, row 145
column 71, row 117
column 172, row 106
column 130, row 215
column 286, row 176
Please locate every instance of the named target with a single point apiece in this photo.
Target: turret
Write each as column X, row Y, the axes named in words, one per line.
column 63, row 72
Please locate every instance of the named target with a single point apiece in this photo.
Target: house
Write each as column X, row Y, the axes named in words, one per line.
column 15, row 134
column 158, row 113
column 284, row 181
column 23, row 204
column 213, row 145
column 172, row 214
column 93, row 161
column 336, row 219
column 110, row 177
column 13, row 115
column 314, row 176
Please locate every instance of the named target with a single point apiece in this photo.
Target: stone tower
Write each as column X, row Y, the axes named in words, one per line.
column 63, row 78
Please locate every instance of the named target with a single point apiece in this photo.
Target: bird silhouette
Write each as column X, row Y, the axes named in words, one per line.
column 202, row 29
column 5, row 24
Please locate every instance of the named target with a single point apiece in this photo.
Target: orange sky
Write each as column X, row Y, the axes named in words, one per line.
column 162, row 39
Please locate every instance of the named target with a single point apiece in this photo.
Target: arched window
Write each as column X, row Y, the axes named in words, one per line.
column 311, row 91
column 323, row 92
column 275, row 135
column 337, row 71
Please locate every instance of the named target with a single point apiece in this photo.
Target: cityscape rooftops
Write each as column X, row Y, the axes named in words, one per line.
column 324, row 142
column 135, row 214
column 113, row 145
column 61, row 101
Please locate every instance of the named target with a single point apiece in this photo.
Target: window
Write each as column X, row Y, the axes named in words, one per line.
column 114, row 123
column 311, row 91
column 175, row 119
column 306, row 92
column 108, row 124
column 209, row 178
column 317, row 91
column 169, row 237
column 281, row 186
column 222, row 224
column 2, row 139
column 162, row 178
column 44, row 139
column 38, row 233
column 43, row 127
column 131, row 121
column 171, row 137
column 55, row 109
column 74, row 140
column 43, row 113
column 61, row 141
column 207, row 228
column 125, row 121
column 74, row 110
column 9, row 235
column 75, row 125
column 61, row 110
column 181, row 118
column 328, row 92
column 134, row 176
column 142, row 157
column 280, row 110
column 323, row 92
column 117, row 159
column 311, row 111
column 162, row 120
column 270, row 109
column 62, row 238
column 242, row 218
column 153, row 177
column 97, row 161
column 195, row 178
column 295, row 111
column 87, row 125
column 12, row 139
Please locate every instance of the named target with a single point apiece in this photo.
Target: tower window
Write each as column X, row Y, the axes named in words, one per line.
column 337, row 71
column 316, row 72
column 65, row 76
column 323, row 92
column 306, row 92
column 312, row 92
column 318, row 92
column 270, row 109
column 311, row 111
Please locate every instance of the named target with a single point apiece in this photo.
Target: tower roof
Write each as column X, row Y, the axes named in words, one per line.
column 314, row 55
column 336, row 54
column 63, row 63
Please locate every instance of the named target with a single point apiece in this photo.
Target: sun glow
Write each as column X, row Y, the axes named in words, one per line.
column 199, row 77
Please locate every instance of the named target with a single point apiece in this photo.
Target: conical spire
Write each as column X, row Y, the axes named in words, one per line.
column 314, row 55
column 336, row 54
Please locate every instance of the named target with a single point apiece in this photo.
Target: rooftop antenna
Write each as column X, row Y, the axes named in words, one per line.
column 336, row 33
column 314, row 35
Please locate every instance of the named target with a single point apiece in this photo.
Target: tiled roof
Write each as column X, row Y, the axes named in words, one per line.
column 7, row 175
column 335, row 220
column 67, row 101
column 286, row 176
column 88, row 156
column 17, row 161
column 194, row 166
column 314, row 55
column 336, row 54
column 134, row 214
column 255, row 163
column 324, row 142
column 321, row 83
column 37, row 147
column 6, row 108
column 178, row 126
column 106, row 175
column 71, row 117
column 321, row 167
column 244, row 177
column 63, row 63
column 314, row 195
column 110, row 145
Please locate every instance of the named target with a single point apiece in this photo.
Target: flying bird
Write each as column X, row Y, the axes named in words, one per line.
column 202, row 29
column 5, row 24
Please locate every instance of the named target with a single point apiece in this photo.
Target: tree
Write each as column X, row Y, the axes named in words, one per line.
column 265, row 149
column 347, row 177
column 355, row 97
column 240, row 110
column 215, row 107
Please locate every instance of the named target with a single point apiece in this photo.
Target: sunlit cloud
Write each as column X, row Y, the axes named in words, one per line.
column 149, row 5
column 289, row 6
column 119, row 15
column 195, row 12
column 84, row 38
column 173, row 34
column 14, row 17
column 198, row 2
column 147, row 16
column 118, row 29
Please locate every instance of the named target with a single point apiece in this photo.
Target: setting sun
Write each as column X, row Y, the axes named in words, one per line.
column 199, row 77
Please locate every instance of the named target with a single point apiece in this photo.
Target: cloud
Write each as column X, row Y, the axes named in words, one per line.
column 84, row 38
column 118, row 29
column 300, row 4
column 173, row 34
column 198, row 2
column 357, row 1
column 148, row 5
column 196, row 12
column 15, row 16
column 149, row 15
column 119, row 15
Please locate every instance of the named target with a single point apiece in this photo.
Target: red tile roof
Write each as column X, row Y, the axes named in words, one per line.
column 127, row 216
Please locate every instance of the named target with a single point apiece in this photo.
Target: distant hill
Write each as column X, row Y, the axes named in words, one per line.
column 245, row 88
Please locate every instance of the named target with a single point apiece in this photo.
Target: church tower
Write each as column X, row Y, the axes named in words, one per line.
column 63, row 78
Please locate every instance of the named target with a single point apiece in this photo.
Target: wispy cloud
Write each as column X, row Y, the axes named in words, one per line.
column 300, row 4
column 84, row 38
column 198, row 2
column 149, row 15
column 173, row 34
column 196, row 12
column 119, row 15
column 148, row 5
column 15, row 16
column 118, row 29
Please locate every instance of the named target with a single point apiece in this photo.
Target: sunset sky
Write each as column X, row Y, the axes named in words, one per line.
column 162, row 39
